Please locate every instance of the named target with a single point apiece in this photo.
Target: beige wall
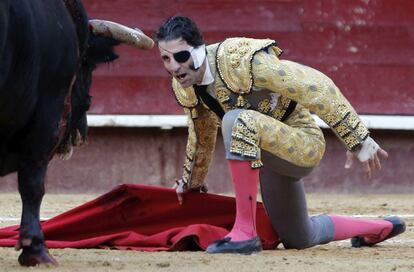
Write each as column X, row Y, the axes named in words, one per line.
column 154, row 156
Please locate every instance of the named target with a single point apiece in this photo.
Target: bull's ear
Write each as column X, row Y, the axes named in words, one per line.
column 101, row 49
column 111, row 57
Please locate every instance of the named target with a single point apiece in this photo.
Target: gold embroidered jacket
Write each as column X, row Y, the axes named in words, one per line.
column 244, row 70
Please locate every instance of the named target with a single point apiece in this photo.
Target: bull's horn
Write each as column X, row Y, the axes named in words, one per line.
column 134, row 37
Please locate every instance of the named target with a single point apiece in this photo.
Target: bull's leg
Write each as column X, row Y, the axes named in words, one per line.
column 36, row 152
column 31, row 188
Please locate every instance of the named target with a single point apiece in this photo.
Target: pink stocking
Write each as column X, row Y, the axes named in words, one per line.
column 245, row 181
column 372, row 230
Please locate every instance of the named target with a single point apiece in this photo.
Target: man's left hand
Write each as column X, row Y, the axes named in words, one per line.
column 369, row 155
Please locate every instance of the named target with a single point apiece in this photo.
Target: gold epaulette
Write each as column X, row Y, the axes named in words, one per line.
column 234, row 61
column 186, row 97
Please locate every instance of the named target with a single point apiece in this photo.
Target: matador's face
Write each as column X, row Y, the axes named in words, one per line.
column 177, row 59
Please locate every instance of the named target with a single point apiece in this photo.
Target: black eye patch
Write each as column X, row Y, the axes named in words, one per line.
column 182, row 56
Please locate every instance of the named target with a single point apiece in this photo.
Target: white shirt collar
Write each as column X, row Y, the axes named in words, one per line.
column 208, row 77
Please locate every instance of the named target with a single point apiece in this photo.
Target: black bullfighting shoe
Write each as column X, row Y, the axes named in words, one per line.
column 244, row 247
column 398, row 227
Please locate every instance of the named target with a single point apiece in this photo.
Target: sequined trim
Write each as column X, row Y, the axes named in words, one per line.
column 243, row 133
column 245, row 139
column 264, row 106
column 242, row 103
column 223, row 95
column 348, row 126
column 194, row 113
column 281, row 107
column 256, row 164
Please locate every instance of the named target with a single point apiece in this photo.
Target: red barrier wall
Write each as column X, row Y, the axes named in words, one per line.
column 366, row 46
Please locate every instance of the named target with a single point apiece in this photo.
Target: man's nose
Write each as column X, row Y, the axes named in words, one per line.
column 173, row 66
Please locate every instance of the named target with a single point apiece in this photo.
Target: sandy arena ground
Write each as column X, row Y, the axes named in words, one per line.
column 394, row 255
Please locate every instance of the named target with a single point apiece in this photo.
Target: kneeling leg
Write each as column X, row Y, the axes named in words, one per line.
column 285, row 203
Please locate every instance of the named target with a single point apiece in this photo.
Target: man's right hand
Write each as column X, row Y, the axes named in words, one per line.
column 180, row 188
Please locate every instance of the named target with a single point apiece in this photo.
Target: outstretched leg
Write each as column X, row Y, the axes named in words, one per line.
column 282, row 190
column 285, row 203
column 367, row 232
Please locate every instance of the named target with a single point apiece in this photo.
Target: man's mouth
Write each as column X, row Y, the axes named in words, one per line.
column 181, row 76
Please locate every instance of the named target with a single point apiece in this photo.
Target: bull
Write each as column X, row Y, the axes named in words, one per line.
column 48, row 51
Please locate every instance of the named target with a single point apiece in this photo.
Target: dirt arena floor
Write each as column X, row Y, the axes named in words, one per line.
column 394, row 255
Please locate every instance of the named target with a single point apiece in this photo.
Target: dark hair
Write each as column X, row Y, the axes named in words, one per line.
column 178, row 27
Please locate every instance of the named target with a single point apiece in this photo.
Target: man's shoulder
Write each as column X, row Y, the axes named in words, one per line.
column 237, row 50
column 234, row 60
column 243, row 42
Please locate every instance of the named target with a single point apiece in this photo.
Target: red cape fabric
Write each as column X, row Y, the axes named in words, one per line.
column 146, row 218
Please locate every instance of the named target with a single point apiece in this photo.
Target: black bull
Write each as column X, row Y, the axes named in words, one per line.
column 47, row 53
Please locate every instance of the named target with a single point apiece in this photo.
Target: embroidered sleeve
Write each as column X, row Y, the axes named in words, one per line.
column 202, row 134
column 313, row 90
